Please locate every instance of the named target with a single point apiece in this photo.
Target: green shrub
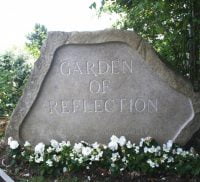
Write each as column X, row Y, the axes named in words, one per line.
column 13, row 75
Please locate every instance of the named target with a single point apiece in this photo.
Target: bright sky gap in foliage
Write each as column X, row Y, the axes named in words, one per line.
column 19, row 17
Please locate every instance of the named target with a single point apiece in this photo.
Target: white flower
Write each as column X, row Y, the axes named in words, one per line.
column 169, row 144
column 59, row 149
column 148, row 139
column 160, row 37
column 184, row 153
column 9, row 140
column 92, row 158
column 100, row 154
column 179, row 151
column 105, row 147
column 146, row 149
column 158, row 154
column 165, row 156
column 95, row 145
column 129, row 145
column 80, row 160
column 153, row 149
column 54, row 144
column 23, row 153
column 97, row 157
column 86, row 151
column 68, row 144
column 39, row 158
column 115, row 156
column 173, row 151
column 50, row 149
column 27, row 144
column 63, row 144
column 78, row 147
column 113, row 145
column 56, row 158
column 64, row 169
column 137, row 149
column 114, row 139
column 26, row 175
column 141, row 142
column 124, row 160
column 152, row 164
column 122, row 141
column 192, row 150
column 170, row 159
column 39, row 148
column 162, row 160
column 158, row 149
column 165, row 148
column 49, row 163
column 31, row 158
column 14, row 144
column 71, row 155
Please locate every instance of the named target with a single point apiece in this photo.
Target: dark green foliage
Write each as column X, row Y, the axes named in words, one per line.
column 36, row 39
column 166, row 24
column 14, row 70
column 13, row 74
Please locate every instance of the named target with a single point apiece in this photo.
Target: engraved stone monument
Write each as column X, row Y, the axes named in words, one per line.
column 91, row 85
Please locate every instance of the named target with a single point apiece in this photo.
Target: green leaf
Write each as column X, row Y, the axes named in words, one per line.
column 93, row 5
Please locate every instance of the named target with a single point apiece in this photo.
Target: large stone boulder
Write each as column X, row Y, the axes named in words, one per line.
column 91, row 85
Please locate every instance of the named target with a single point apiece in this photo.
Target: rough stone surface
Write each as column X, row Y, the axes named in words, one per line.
column 90, row 85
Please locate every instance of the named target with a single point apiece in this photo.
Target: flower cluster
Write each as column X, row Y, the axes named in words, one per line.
column 119, row 155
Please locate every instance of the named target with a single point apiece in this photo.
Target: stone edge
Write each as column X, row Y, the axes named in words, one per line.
column 57, row 39
column 5, row 177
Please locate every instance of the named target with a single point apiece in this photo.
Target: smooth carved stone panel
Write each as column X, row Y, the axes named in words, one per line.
column 93, row 91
